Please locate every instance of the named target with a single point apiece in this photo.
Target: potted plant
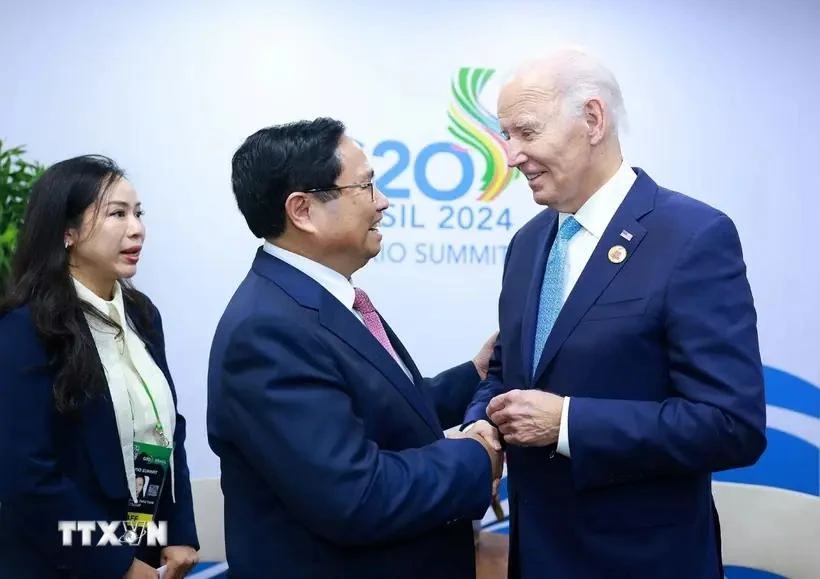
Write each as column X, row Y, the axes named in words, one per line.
column 17, row 176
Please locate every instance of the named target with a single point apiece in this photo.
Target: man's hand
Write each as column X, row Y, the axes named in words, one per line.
column 527, row 417
column 495, row 454
column 489, row 433
column 482, row 359
column 486, row 431
column 140, row 570
column 180, row 561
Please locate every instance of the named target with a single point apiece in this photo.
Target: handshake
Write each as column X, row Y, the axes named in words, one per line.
column 487, row 435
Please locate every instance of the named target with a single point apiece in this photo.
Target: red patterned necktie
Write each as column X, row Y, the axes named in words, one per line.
column 372, row 322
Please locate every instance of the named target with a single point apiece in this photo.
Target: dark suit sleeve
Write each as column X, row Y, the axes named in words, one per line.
column 292, row 417
column 716, row 420
column 487, row 389
column 32, row 485
column 180, row 514
column 494, row 384
column 452, row 390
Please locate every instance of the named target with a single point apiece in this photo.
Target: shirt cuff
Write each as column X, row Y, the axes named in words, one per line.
column 563, row 429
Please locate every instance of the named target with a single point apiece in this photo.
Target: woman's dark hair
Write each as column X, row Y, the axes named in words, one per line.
column 41, row 280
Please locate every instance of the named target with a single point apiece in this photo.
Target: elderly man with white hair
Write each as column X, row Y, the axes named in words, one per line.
column 627, row 369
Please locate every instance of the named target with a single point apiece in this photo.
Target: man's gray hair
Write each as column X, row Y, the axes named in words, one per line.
column 577, row 76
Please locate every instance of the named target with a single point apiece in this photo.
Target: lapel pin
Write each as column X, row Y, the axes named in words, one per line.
column 626, row 235
column 617, row 253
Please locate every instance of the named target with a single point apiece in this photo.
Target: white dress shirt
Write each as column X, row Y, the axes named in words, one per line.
column 335, row 283
column 129, row 369
column 594, row 217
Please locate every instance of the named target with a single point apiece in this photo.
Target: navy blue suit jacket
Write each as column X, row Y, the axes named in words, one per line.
column 333, row 462
column 56, row 467
column 659, row 354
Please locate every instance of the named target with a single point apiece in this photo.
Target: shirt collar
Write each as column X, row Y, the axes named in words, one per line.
column 597, row 212
column 113, row 308
column 338, row 285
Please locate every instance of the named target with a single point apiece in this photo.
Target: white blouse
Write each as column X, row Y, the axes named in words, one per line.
column 129, row 369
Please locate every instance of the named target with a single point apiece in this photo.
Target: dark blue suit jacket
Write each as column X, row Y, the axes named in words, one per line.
column 54, row 467
column 333, row 462
column 660, row 356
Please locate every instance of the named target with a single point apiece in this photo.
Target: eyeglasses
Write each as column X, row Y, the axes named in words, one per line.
column 359, row 186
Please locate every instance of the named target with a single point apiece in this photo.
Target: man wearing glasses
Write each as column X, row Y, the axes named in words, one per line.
column 332, row 454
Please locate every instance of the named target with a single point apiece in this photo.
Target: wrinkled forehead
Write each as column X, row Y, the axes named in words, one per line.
column 522, row 103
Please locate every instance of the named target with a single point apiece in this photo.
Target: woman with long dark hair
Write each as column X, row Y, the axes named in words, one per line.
column 87, row 404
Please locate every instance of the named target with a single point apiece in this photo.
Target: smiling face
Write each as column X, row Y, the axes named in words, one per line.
column 107, row 245
column 344, row 230
column 553, row 149
column 350, row 221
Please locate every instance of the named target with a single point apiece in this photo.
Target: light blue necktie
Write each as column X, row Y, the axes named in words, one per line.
column 552, row 288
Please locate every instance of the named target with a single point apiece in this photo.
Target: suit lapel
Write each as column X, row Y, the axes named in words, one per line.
column 418, row 379
column 339, row 320
column 600, row 270
column 542, row 247
column 102, row 441
column 343, row 323
column 102, row 436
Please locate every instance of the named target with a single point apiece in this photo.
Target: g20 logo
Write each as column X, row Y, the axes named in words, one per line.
column 402, row 161
column 476, row 130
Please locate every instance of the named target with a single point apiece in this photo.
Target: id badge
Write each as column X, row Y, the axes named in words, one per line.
column 151, row 465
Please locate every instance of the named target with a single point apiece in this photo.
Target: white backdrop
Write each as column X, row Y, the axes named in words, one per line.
column 720, row 98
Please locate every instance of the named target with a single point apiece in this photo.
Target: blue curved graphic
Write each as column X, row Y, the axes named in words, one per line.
column 792, row 457
column 788, row 391
column 746, row 573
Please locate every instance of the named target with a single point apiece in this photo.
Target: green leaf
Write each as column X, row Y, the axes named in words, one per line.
column 9, row 236
column 17, row 176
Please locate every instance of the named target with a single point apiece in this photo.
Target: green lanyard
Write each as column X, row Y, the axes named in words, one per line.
column 158, row 429
column 158, row 426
